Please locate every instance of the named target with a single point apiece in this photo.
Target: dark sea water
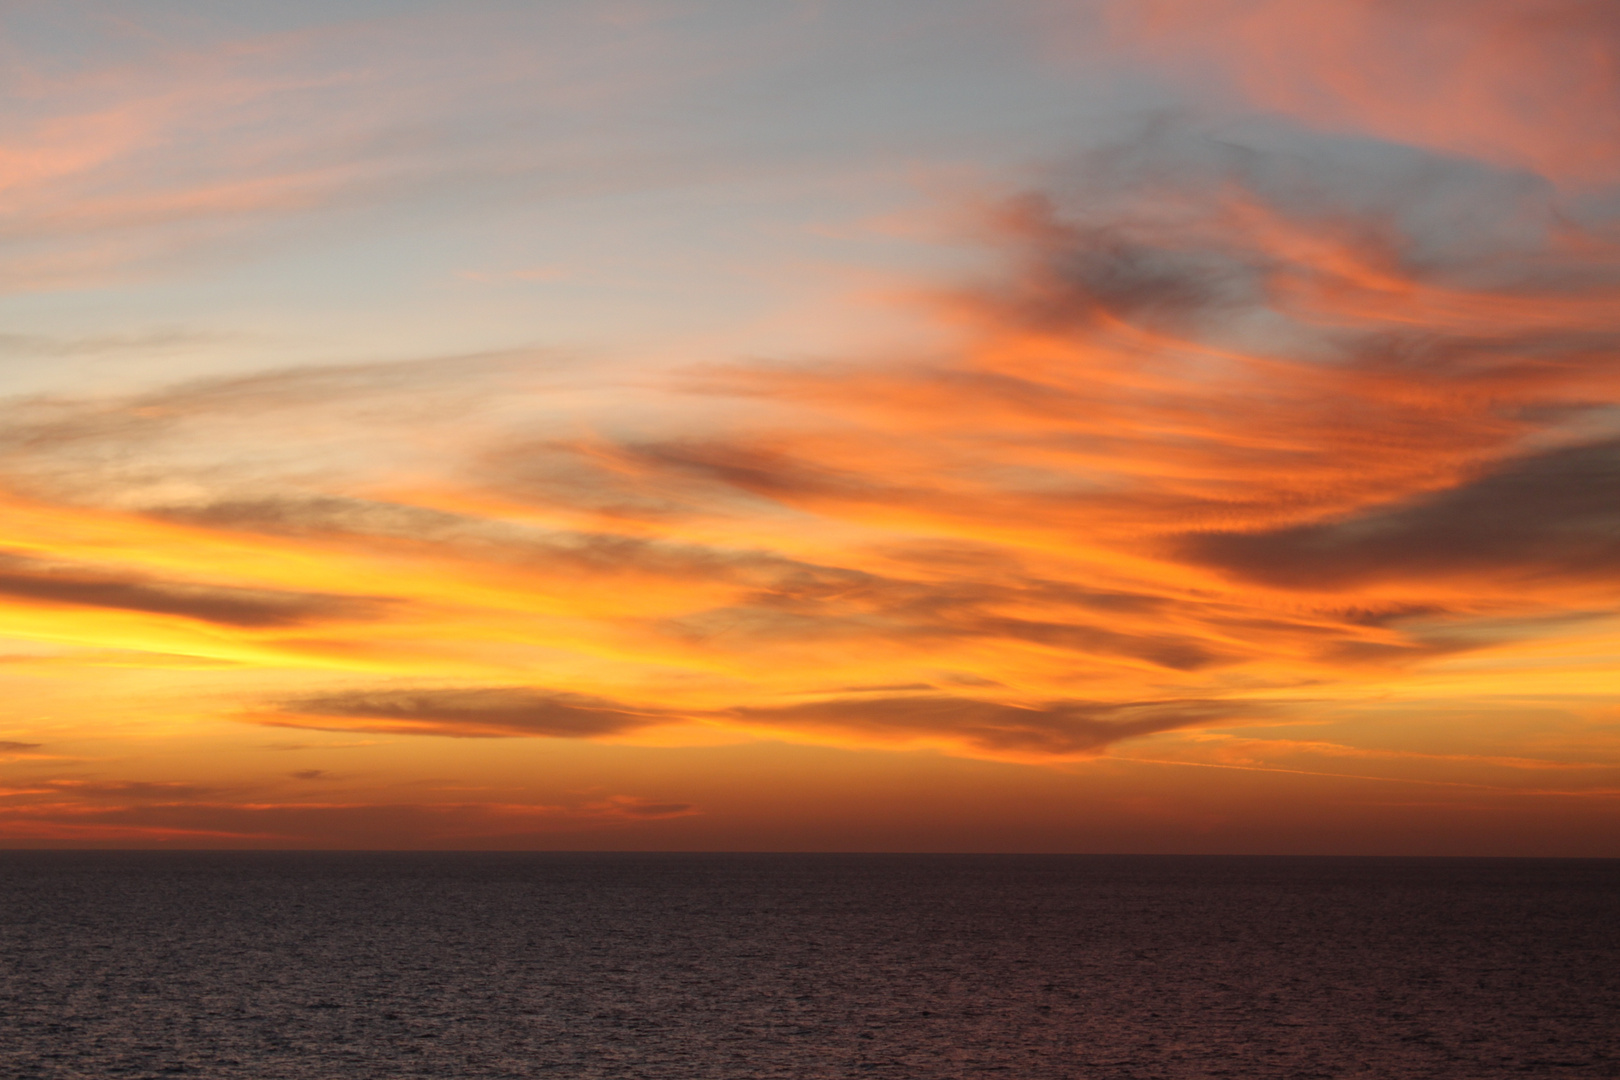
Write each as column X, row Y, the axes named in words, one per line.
column 335, row 966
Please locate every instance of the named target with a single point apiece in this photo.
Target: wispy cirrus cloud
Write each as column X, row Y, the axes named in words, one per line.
column 1052, row 730
column 477, row 712
column 1204, row 369
column 1552, row 515
column 923, row 715
column 138, row 148
column 32, row 580
column 168, row 816
column 1524, row 82
column 1248, row 415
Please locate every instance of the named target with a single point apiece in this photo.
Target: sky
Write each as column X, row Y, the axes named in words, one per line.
column 859, row 425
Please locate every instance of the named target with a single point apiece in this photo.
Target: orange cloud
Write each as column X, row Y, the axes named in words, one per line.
column 76, row 813
column 1218, row 434
column 1254, row 430
column 1523, row 82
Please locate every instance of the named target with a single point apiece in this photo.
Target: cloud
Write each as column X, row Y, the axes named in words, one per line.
column 42, row 425
column 254, row 444
column 478, row 712
column 1371, row 374
column 1049, row 729
column 1551, row 514
column 1526, row 82
column 1289, row 358
column 38, row 581
column 328, row 515
column 353, row 744
column 1195, row 327
column 1209, row 359
column 62, row 818
column 152, row 341
column 195, row 141
column 139, row 791
column 1053, row 729
column 630, row 808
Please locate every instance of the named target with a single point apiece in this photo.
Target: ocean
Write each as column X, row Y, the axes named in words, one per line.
column 690, row 967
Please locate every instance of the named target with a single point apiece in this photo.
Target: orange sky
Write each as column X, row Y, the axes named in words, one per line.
column 1188, row 426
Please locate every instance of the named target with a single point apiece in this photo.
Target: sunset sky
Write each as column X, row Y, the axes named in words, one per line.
column 976, row 425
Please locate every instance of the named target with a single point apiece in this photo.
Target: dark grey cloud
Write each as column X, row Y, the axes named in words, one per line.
column 886, row 688
column 319, row 515
column 1149, row 231
column 1054, row 728
column 783, row 598
column 1553, row 513
column 893, row 610
column 570, row 552
column 1173, row 651
column 1087, row 274
column 248, row 433
column 476, row 712
column 9, row 747
column 671, row 479
column 1057, row 728
column 760, row 470
column 32, row 579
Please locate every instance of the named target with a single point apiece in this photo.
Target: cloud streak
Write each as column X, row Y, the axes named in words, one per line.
column 1528, row 82
column 1054, row 729
column 1555, row 514
column 1227, row 424
column 36, row 581
column 1293, row 411
column 113, row 817
column 1049, row 730
column 479, row 712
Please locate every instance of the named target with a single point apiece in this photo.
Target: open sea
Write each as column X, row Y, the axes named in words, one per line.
column 690, row 967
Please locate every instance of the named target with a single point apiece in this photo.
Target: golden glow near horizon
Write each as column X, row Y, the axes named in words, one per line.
column 503, row 429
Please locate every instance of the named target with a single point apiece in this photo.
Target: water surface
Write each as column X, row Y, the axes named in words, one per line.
column 689, row 967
